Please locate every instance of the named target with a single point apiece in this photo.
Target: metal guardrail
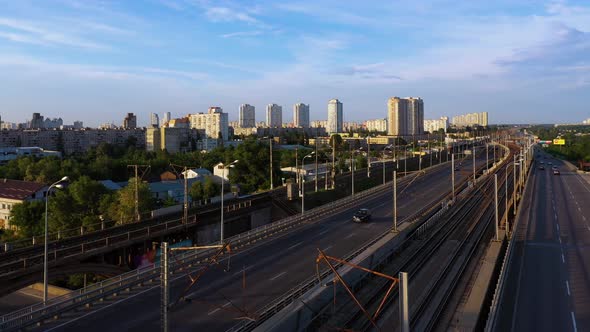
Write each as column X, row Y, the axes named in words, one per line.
column 88, row 246
column 95, row 228
column 39, row 312
column 295, row 292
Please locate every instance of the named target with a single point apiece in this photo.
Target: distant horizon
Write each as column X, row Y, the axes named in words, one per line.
column 96, row 61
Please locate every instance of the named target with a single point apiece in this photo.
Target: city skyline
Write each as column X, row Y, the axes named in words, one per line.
column 97, row 61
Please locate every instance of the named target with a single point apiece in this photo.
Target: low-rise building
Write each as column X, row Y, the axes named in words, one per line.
column 15, row 192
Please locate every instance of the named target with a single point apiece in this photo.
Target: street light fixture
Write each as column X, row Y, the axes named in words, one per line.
column 303, row 182
column 58, row 185
column 224, row 167
column 385, row 148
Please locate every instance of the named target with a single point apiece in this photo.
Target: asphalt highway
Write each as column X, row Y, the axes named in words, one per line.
column 268, row 269
column 550, row 283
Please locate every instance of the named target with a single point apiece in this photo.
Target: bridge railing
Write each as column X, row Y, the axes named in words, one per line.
column 39, row 312
column 54, row 306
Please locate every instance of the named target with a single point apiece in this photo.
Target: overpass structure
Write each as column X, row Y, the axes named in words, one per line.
column 270, row 257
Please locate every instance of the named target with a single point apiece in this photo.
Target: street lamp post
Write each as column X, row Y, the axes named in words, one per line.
column 303, row 182
column 224, row 167
column 385, row 148
column 57, row 185
column 395, row 201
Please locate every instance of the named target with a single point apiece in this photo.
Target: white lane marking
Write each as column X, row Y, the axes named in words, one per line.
column 324, row 232
column 349, row 236
column 579, row 209
column 562, row 259
column 557, row 225
column 278, row 276
column 556, row 216
column 567, row 285
column 327, row 248
column 227, row 304
column 242, row 270
column 213, row 311
column 559, row 238
column 574, row 321
column 295, row 245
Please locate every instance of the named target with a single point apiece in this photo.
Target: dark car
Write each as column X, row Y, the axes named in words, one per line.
column 541, row 167
column 362, row 215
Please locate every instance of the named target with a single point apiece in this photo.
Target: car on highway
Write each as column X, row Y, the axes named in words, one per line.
column 542, row 167
column 556, row 172
column 362, row 215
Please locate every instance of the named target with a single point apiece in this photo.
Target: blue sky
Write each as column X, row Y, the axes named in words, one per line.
column 519, row 60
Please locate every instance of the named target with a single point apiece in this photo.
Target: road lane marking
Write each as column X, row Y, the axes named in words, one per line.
column 350, row 235
column 327, row 248
column 557, row 225
column 556, row 216
column 559, row 238
column 574, row 321
column 243, row 270
column 324, row 232
column 278, row 276
column 562, row 259
column 227, row 304
column 567, row 285
column 213, row 311
column 293, row 246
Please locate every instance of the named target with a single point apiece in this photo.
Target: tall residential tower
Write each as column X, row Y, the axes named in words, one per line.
column 274, row 116
column 247, row 116
column 405, row 116
column 335, row 117
column 301, row 115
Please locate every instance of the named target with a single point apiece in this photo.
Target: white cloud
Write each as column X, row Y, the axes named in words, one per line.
column 37, row 34
column 242, row 34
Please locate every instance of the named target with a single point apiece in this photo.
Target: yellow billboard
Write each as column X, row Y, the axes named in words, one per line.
column 558, row 141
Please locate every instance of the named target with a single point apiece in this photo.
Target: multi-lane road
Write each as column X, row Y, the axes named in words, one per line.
column 267, row 270
column 548, row 282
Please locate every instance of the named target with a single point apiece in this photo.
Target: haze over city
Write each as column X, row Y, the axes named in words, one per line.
column 523, row 61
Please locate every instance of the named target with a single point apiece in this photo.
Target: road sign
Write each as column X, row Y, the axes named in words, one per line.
column 559, row 141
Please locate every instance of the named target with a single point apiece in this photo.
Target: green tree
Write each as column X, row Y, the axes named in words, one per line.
column 122, row 209
column 27, row 217
column 196, row 191
column 210, row 188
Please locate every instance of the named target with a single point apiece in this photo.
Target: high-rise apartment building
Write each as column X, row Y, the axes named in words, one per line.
column 247, row 117
column 130, row 121
column 405, row 116
column 167, row 118
column 301, row 115
column 274, row 116
column 154, row 120
column 214, row 122
column 36, row 121
column 376, row 125
column 436, row 124
column 335, row 117
column 470, row 119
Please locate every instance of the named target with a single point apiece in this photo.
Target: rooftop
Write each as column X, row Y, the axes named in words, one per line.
column 19, row 190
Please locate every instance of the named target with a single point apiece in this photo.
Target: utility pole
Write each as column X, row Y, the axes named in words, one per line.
column 514, row 185
column 185, row 195
column 270, row 153
column 473, row 153
column 164, row 274
column 333, row 163
column 496, row 203
column 404, row 311
column 352, row 170
column 316, row 164
column 296, row 166
column 395, row 201
column 136, row 171
column 487, row 161
column 453, row 175
column 368, row 157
